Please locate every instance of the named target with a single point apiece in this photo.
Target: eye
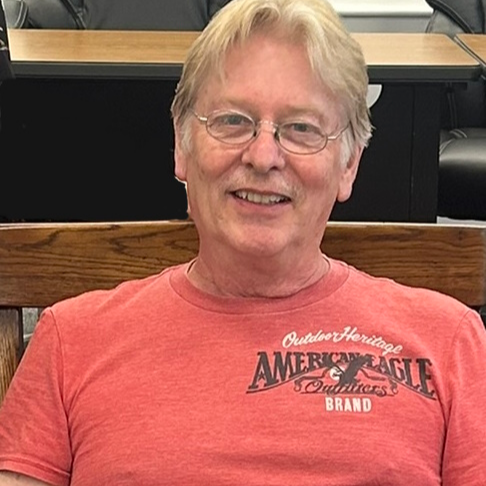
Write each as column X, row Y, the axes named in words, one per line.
column 301, row 128
column 231, row 127
column 231, row 120
column 301, row 132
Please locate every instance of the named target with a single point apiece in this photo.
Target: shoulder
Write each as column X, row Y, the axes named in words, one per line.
column 131, row 297
column 381, row 294
column 425, row 322
column 82, row 326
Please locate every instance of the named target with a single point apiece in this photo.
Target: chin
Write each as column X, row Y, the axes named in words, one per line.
column 261, row 243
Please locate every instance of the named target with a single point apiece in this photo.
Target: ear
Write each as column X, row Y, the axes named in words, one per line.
column 349, row 174
column 180, row 155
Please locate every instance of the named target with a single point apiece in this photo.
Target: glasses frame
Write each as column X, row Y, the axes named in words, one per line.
column 256, row 131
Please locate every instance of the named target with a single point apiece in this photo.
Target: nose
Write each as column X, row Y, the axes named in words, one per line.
column 263, row 152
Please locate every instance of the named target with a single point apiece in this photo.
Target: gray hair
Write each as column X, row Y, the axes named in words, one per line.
column 334, row 56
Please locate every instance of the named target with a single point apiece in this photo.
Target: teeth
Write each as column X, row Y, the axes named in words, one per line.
column 260, row 198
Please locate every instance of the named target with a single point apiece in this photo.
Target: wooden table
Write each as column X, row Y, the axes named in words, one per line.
column 475, row 45
column 94, row 53
column 56, row 53
column 75, row 89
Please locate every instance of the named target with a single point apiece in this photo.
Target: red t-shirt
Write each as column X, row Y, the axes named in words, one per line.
column 353, row 381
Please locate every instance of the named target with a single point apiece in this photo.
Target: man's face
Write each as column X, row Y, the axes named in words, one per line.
column 229, row 187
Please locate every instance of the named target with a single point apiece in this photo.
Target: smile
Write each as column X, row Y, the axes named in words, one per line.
column 267, row 199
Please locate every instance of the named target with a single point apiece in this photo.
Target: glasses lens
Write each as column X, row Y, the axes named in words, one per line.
column 230, row 127
column 301, row 137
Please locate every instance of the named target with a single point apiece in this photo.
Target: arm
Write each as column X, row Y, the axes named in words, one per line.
column 33, row 413
column 13, row 479
column 465, row 441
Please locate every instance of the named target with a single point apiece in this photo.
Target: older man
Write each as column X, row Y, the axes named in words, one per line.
column 261, row 362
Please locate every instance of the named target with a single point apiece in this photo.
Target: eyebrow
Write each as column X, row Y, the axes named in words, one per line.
column 285, row 112
column 296, row 112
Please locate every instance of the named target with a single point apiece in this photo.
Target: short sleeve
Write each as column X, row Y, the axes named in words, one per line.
column 464, row 459
column 34, row 435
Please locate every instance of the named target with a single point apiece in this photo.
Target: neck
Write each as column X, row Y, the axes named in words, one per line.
column 250, row 276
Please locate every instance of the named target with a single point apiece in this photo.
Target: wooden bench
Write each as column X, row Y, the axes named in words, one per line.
column 46, row 262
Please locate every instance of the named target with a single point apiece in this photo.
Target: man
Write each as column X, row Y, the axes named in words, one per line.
column 261, row 362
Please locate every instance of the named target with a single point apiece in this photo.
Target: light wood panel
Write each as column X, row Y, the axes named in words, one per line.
column 98, row 46
column 412, row 49
column 475, row 44
column 86, row 46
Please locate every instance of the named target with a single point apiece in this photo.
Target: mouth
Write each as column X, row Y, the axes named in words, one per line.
column 258, row 198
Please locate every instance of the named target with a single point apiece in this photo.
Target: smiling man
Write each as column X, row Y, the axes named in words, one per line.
column 262, row 172
column 262, row 361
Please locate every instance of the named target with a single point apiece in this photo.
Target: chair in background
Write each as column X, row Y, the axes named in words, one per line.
column 6, row 71
column 112, row 14
column 462, row 153
column 111, row 114
column 41, row 263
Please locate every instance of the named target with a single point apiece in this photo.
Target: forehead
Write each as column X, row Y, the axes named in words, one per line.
column 268, row 72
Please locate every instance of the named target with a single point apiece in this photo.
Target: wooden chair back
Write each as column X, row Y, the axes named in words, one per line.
column 45, row 262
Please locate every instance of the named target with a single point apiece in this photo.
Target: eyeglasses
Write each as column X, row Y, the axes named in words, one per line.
column 297, row 137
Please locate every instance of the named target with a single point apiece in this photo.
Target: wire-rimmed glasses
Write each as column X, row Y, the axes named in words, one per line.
column 295, row 136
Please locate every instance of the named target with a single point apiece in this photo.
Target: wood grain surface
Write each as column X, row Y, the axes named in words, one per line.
column 10, row 346
column 45, row 262
column 87, row 46
column 475, row 44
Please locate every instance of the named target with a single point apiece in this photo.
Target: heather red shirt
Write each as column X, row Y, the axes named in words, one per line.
column 353, row 381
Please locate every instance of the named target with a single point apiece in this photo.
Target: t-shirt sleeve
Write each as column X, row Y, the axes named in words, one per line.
column 34, row 434
column 465, row 445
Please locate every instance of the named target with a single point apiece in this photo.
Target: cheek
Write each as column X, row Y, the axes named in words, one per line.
column 207, row 174
column 214, row 168
column 321, row 177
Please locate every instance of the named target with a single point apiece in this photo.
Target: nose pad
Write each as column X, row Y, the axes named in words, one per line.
column 264, row 154
column 270, row 127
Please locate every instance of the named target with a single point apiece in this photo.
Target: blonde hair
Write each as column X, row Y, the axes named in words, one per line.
column 334, row 56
